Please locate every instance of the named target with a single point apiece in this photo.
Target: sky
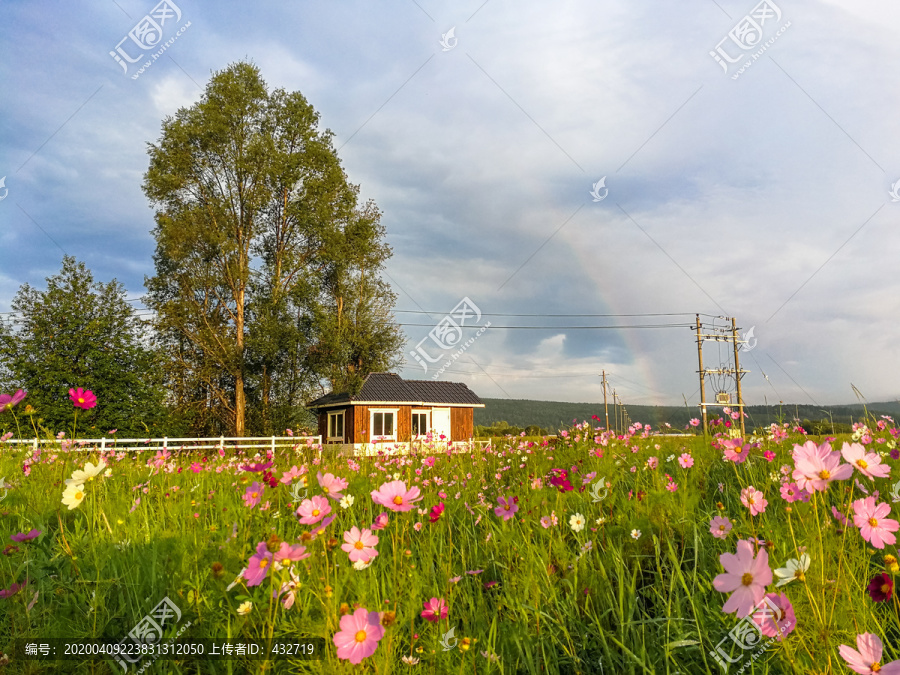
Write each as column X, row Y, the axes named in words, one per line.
column 544, row 170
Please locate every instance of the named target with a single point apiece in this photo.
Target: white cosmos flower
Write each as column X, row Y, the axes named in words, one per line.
column 362, row 564
column 73, row 496
column 793, row 569
column 576, row 522
column 237, row 580
column 635, row 534
column 89, row 472
column 245, row 608
column 347, row 501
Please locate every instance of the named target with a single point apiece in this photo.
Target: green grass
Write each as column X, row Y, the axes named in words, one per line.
column 624, row 606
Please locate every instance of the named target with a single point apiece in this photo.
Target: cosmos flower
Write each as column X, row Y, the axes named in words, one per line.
column 815, row 467
column 9, row 401
column 508, row 507
column 868, row 659
column 25, row 536
column 313, row 510
column 793, row 570
column 780, row 620
column 746, row 577
column 873, row 523
column 867, row 463
column 435, row 610
column 359, row 635
column 73, row 496
column 332, row 485
column 253, row 495
column 395, row 496
column 719, row 527
column 81, row 398
column 881, row 588
column 259, row 565
column 754, row 500
column 360, row 545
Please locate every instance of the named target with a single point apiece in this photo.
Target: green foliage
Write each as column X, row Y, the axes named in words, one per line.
column 82, row 333
column 267, row 266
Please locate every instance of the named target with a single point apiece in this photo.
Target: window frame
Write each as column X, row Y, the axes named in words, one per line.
column 328, row 427
column 392, row 437
column 422, row 434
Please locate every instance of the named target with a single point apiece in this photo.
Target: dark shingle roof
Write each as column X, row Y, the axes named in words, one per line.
column 391, row 388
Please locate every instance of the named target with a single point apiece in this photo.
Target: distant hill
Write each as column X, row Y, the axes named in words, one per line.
column 553, row 415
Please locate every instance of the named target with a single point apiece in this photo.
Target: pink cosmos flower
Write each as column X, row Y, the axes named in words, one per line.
column 359, row 635
column 292, row 553
column 776, row 623
column 816, row 466
column 868, row 463
column 769, row 455
column 395, row 496
column 754, row 500
column 840, row 517
column 332, row 485
column 381, row 521
column 25, row 536
column 745, row 577
column 695, row 422
column 360, row 545
column 253, row 495
column 872, row 521
column 82, row 398
column 686, row 461
column 435, row 610
column 259, row 565
column 288, row 476
column 652, row 462
column 316, row 531
column 256, row 468
column 9, row 401
column 868, row 659
column 288, row 589
column 735, row 451
column 790, row 492
column 719, row 527
column 546, row 522
column 508, row 507
column 313, row 510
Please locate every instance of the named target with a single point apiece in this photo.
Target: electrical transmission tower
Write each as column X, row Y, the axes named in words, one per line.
column 726, row 378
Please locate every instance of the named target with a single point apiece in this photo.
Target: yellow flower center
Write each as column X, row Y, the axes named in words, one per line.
column 798, row 574
column 876, row 667
column 81, row 400
column 264, row 563
column 750, row 500
column 886, row 588
column 747, row 579
column 254, row 495
column 358, row 545
column 316, row 512
column 721, row 528
column 824, row 474
column 79, row 495
column 360, row 636
column 398, row 500
column 873, row 522
column 861, row 463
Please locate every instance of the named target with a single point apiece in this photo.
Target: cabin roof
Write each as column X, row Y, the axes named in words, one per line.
column 390, row 388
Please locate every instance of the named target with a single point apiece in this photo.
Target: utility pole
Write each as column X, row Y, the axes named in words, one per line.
column 605, row 407
column 702, row 376
column 616, row 410
column 738, row 374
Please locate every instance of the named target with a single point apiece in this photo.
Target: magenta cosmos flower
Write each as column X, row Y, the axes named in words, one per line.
column 436, row 512
column 82, row 398
column 745, row 577
column 313, row 510
column 259, row 565
column 507, row 508
column 435, row 610
column 25, row 536
column 360, row 545
column 868, row 659
column 779, row 620
column 332, row 485
column 293, row 473
column 754, row 500
column 719, row 527
column 867, row 463
column 381, row 521
column 735, row 451
column 359, row 635
column 253, row 495
column 9, row 401
column 395, row 496
column 873, row 523
column 256, row 468
column 816, row 466
column 686, row 461
column 12, row 590
column 881, row 588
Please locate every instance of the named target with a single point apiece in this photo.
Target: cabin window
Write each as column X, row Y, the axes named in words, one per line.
column 383, row 425
column 336, row 427
column 420, row 425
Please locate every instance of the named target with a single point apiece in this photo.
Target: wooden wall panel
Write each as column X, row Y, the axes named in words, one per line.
column 323, row 426
column 404, row 424
column 361, row 425
column 462, row 422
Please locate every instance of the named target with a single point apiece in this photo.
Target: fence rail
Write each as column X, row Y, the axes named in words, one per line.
column 165, row 443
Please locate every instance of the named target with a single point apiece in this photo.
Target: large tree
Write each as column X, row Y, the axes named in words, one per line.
column 254, row 221
column 82, row 333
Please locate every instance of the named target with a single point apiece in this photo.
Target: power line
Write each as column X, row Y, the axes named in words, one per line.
column 662, row 325
column 415, row 311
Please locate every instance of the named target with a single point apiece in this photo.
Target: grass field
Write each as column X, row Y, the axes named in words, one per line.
column 591, row 555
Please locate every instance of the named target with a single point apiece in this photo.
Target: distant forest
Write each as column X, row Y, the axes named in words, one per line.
column 553, row 415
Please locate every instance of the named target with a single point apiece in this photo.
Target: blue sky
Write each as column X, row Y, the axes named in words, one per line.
column 763, row 194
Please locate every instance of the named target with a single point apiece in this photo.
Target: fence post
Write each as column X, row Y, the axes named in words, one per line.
column 103, row 444
column 35, row 443
column 273, row 447
column 221, row 442
column 165, row 442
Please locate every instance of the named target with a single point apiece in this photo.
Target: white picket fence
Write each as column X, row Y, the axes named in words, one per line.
column 157, row 444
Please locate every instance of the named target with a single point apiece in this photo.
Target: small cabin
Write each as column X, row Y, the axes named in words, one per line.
column 391, row 410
